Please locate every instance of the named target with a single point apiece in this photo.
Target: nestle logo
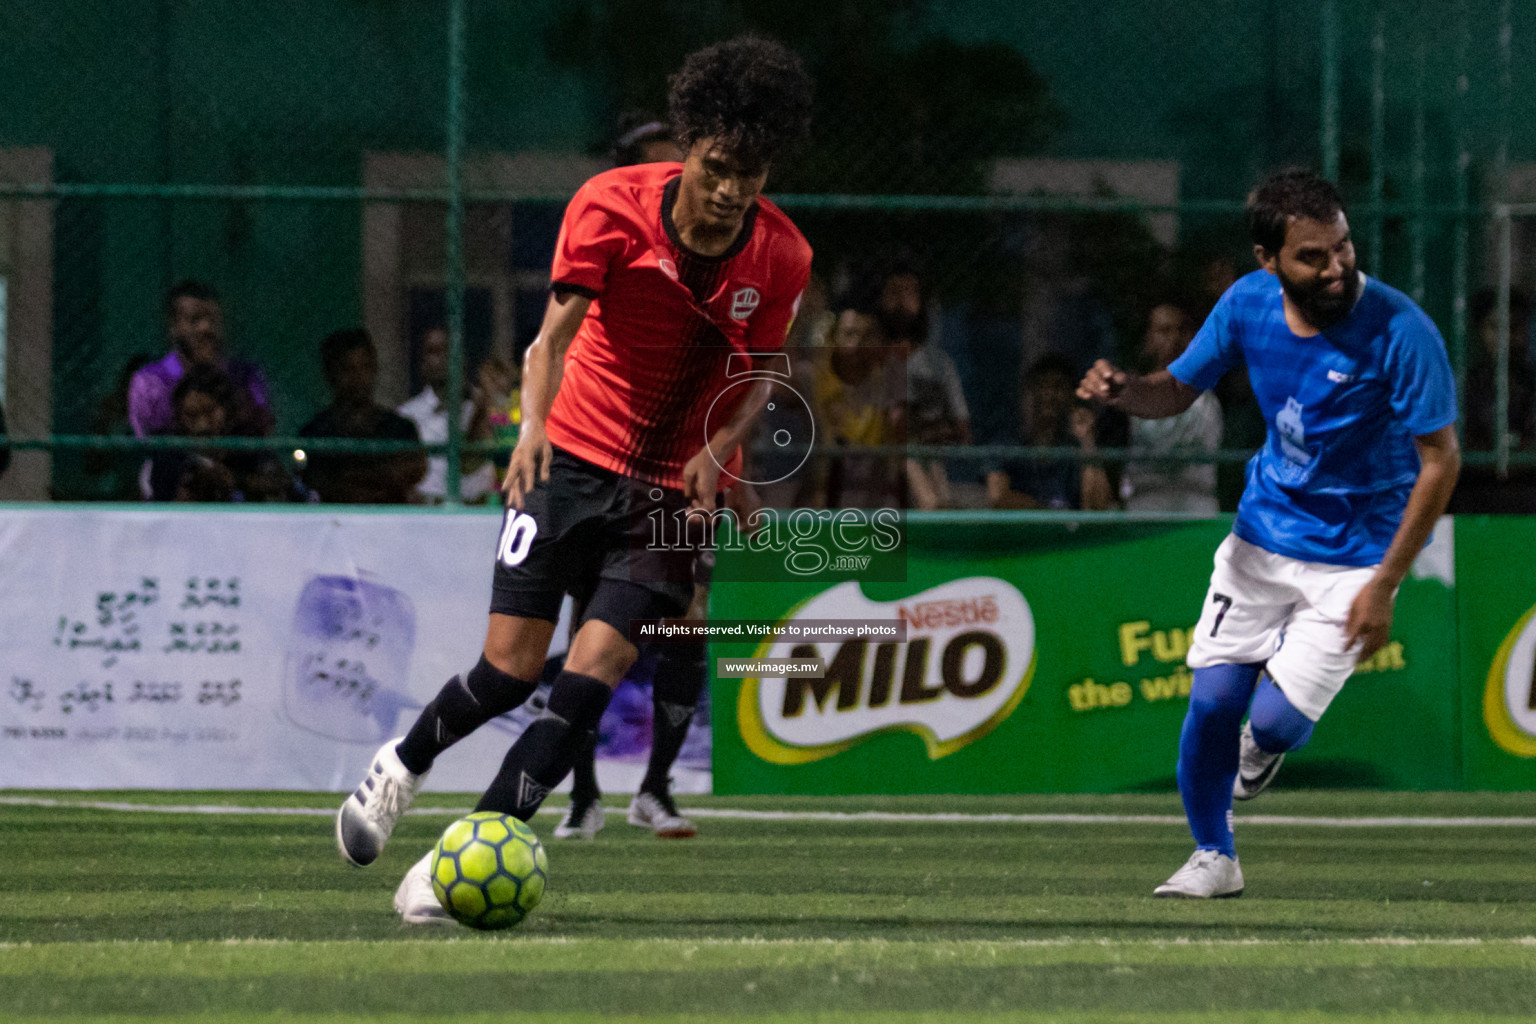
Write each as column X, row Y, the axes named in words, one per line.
column 930, row 615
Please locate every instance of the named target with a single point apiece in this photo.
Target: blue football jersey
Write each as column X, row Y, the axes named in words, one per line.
column 1342, row 409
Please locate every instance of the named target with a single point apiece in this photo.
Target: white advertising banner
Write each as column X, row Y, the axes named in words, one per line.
column 234, row 649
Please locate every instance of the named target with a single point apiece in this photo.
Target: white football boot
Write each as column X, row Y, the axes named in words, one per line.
column 582, row 821
column 1256, row 767
column 368, row 816
column 1208, row 875
column 414, row 899
column 658, row 813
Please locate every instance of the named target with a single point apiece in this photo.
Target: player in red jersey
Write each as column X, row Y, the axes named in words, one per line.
column 678, row 669
column 666, row 277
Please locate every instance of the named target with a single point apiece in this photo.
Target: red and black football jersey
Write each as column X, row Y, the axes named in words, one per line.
column 650, row 369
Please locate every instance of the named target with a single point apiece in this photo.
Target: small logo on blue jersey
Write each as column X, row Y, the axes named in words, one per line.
column 1340, row 378
column 1293, row 436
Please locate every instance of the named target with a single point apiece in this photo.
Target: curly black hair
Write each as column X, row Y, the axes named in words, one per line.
column 749, row 93
column 1294, row 192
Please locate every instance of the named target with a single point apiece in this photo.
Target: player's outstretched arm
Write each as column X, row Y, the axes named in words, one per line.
column 701, row 476
column 1151, row 396
column 543, row 364
column 1370, row 616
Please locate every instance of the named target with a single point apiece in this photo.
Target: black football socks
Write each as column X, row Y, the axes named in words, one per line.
column 681, row 672
column 463, row 705
column 543, row 754
column 584, row 789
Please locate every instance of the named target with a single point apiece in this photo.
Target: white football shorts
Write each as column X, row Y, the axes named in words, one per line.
column 1264, row 607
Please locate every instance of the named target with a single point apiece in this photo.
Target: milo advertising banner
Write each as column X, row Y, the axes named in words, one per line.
column 1496, row 566
column 1042, row 656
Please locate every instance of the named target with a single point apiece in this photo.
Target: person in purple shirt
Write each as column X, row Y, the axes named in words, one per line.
column 194, row 322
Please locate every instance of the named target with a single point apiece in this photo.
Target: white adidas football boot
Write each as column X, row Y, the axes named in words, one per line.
column 368, row 816
column 414, row 899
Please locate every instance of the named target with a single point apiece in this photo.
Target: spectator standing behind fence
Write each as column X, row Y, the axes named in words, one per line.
column 1483, row 488
column 859, row 399
column 1053, row 419
column 194, row 318
column 205, row 401
column 498, row 398
column 935, row 412
column 202, row 406
column 351, row 369
column 1150, row 484
column 478, row 476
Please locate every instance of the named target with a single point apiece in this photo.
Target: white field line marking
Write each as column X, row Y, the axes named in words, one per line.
column 733, row 814
column 1065, row 942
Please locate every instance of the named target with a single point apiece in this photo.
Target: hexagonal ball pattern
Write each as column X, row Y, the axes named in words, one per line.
column 489, row 870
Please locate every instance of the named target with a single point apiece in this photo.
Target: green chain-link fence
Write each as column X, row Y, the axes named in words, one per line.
column 393, row 164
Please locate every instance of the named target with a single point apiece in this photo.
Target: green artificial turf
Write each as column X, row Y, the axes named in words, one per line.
column 156, row 915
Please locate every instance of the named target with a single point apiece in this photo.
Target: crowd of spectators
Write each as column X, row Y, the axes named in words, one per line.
column 870, row 376
column 876, row 374
column 870, row 388
column 197, row 390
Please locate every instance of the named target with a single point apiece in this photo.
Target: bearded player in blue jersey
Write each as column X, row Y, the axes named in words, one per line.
column 1360, row 459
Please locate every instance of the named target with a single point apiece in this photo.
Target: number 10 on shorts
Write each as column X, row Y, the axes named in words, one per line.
column 517, row 533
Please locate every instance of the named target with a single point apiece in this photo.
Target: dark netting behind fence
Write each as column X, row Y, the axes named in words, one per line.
column 1050, row 176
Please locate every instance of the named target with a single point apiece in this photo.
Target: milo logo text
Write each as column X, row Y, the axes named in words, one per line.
column 965, row 666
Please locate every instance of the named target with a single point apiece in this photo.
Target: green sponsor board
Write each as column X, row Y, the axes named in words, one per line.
column 1496, row 592
column 1044, row 656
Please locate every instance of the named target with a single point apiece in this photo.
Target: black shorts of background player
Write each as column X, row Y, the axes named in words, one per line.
column 733, row 271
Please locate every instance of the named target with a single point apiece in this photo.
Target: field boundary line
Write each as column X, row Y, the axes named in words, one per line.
column 852, row 817
column 1066, row 942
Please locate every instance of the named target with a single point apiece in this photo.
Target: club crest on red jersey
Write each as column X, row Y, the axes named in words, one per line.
column 743, row 302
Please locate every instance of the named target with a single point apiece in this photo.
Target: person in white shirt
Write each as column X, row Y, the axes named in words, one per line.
column 426, row 411
column 1153, row 485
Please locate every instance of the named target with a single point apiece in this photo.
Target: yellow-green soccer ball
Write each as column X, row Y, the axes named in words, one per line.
column 489, row 870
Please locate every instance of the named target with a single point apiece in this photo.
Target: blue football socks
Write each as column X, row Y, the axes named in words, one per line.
column 1208, row 751
column 1277, row 725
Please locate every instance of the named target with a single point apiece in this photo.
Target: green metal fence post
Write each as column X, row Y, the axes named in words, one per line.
column 1459, row 239
column 1330, row 115
column 452, row 402
column 1506, row 241
column 1378, row 139
column 1416, row 242
column 1501, row 380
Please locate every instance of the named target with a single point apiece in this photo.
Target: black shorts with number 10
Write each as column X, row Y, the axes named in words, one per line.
column 593, row 533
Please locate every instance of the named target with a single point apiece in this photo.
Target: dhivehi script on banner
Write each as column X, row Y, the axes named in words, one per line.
column 198, row 649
